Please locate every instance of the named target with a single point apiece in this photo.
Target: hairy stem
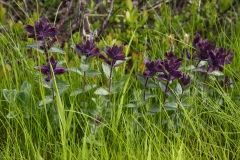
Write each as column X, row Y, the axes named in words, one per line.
column 110, row 85
column 145, row 87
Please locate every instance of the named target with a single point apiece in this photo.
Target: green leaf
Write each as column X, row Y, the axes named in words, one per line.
column 22, row 98
column 86, row 89
column 92, row 73
column 101, row 91
column 141, row 79
column 10, row 95
column 119, row 62
column 130, row 105
column 170, row 106
column 147, row 96
column 217, row 73
column 12, row 114
column 129, row 4
column 56, row 50
column 178, row 89
column 150, row 84
column 154, row 110
column 36, row 47
column 47, row 100
column 84, row 67
column 61, row 83
column 43, row 83
column 26, row 87
column 106, row 69
column 76, row 70
column 128, row 16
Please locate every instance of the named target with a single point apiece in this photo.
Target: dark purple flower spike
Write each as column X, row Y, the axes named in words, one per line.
column 202, row 48
column 218, row 58
column 152, row 67
column 41, row 30
column 46, row 69
column 171, row 71
column 87, row 49
column 185, row 80
column 114, row 54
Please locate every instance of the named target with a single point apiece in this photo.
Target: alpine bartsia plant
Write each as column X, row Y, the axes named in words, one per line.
column 114, row 54
column 152, row 67
column 45, row 37
column 88, row 49
column 43, row 34
column 41, row 30
column 46, row 69
column 115, row 58
column 217, row 59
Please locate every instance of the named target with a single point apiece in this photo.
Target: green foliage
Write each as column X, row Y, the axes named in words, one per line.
column 194, row 123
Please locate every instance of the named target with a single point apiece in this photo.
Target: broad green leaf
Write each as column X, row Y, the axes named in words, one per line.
column 43, row 83
column 92, row 73
column 128, row 16
column 47, row 100
column 154, row 110
column 56, row 50
column 86, row 89
column 106, row 69
column 217, row 73
column 178, row 89
column 36, row 47
column 22, row 98
column 12, row 114
column 26, row 87
column 147, row 96
column 129, row 4
column 84, row 67
column 130, row 105
column 76, row 70
column 150, row 84
column 61, row 83
column 170, row 106
column 101, row 91
column 10, row 95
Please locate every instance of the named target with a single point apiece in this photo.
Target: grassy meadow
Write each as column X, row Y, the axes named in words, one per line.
column 98, row 110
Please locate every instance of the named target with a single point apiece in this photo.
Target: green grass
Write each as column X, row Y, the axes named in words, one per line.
column 207, row 131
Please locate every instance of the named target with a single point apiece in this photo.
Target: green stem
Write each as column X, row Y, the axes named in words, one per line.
column 110, row 85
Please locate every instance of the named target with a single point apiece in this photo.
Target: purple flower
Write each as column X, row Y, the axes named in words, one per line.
column 202, row 48
column 88, row 49
column 41, row 30
column 171, row 71
column 46, row 69
column 185, row 80
column 114, row 53
column 152, row 67
column 218, row 58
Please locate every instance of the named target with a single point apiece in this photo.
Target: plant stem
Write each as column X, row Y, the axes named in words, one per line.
column 84, row 83
column 53, row 97
column 145, row 87
column 178, row 107
column 198, row 63
column 165, row 92
column 110, row 84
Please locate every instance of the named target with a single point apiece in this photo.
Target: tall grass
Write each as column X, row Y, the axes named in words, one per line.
column 207, row 131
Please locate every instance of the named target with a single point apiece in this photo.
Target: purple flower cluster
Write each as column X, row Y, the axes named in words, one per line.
column 46, row 69
column 206, row 51
column 167, row 69
column 43, row 33
column 87, row 49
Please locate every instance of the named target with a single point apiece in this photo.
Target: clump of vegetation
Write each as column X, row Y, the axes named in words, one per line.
column 138, row 83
